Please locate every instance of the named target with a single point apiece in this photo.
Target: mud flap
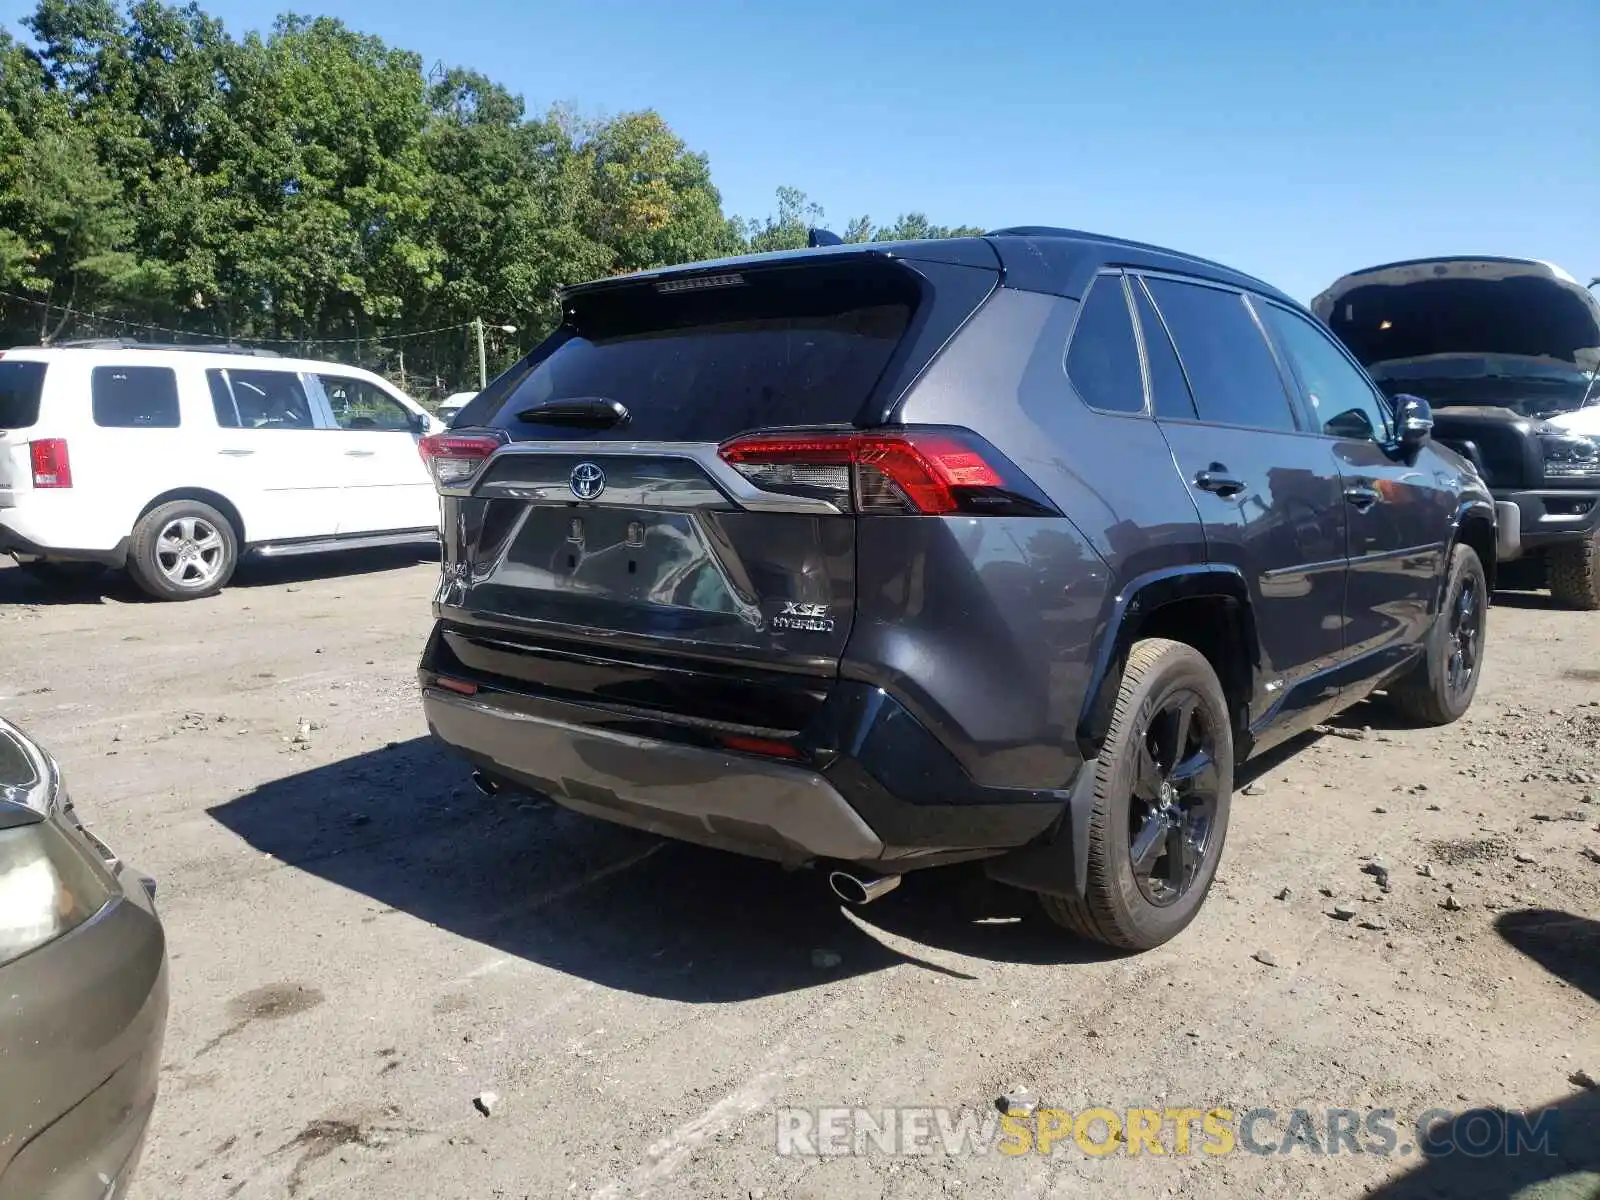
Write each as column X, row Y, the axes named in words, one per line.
column 1507, row 531
column 1058, row 863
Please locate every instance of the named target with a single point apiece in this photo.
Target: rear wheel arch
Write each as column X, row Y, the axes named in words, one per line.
column 204, row 496
column 1207, row 607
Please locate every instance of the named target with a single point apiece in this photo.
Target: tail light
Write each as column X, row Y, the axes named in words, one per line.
column 52, row 468
column 923, row 471
column 454, row 458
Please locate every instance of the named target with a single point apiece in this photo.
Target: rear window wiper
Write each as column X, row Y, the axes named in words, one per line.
column 590, row 412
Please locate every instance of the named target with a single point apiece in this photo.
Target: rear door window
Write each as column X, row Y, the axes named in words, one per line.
column 1230, row 368
column 222, row 399
column 1103, row 358
column 752, row 350
column 21, row 384
column 270, row 400
column 134, row 397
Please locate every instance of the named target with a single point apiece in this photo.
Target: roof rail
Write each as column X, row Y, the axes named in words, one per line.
column 1087, row 236
column 131, row 344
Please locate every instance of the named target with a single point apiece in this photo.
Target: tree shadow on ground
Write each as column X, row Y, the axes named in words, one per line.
column 404, row 826
column 1548, row 1153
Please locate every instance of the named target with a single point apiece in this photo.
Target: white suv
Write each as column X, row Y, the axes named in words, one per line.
column 173, row 461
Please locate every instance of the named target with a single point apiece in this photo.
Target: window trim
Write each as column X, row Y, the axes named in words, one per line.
column 1136, row 280
column 1291, row 396
column 227, row 384
column 177, row 393
column 1144, row 410
column 1304, row 402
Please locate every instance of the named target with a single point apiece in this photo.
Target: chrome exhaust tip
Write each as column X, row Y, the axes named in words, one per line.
column 861, row 891
column 484, row 784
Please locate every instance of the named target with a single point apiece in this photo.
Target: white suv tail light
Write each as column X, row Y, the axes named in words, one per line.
column 52, row 468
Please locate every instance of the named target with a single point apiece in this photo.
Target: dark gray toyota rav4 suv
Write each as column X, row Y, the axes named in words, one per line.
column 887, row 556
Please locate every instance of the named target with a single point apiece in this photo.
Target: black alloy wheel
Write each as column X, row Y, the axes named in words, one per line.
column 1174, row 805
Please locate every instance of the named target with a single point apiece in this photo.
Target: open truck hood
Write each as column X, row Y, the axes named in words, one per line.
column 1517, row 317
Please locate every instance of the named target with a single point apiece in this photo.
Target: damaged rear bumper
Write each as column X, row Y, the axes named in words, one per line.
column 883, row 793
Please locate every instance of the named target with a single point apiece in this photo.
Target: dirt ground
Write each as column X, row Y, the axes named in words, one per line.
column 362, row 945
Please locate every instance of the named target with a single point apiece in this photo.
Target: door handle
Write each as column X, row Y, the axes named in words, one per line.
column 1216, row 479
column 235, row 452
column 358, row 453
column 1362, row 496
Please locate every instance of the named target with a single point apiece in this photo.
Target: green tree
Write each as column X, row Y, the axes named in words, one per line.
column 308, row 184
column 65, row 232
column 789, row 228
column 651, row 199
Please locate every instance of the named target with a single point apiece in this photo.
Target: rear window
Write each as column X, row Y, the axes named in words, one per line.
column 20, row 386
column 135, row 397
column 267, row 400
column 766, row 348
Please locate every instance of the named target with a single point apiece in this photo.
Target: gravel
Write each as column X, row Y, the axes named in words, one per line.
column 641, row 1008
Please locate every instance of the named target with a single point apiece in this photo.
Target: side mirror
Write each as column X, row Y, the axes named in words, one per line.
column 1416, row 420
column 420, row 423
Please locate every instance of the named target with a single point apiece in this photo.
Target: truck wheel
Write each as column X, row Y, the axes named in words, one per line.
column 1441, row 687
column 1162, row 786
column 182, row 550
column 1575, row 573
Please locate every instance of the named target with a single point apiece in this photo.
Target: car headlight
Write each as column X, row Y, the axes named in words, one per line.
column 47, row 886
column 50, row 882
column 1569, row 455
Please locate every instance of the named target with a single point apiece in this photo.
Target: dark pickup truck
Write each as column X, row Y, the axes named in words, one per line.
column 1502, row 349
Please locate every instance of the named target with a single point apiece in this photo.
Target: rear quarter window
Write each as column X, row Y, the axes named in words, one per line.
column 21, row 385
column 1103, row 358
column 134, row 397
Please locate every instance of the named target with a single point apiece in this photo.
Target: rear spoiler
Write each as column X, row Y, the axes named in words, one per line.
column 959, row 252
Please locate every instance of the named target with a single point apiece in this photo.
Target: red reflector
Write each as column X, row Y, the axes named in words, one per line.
column 923, row 467
column 453, row 458
column 460, row 686
column 52, row 468
column 755, row 745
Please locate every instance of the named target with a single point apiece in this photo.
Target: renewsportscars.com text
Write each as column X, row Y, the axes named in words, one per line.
column 1100, row 1131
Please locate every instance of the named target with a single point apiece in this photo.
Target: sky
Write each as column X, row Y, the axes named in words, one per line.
column 1296, row 142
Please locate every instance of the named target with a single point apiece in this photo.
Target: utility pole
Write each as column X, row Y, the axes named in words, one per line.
column 402, row 370
column 483, row 358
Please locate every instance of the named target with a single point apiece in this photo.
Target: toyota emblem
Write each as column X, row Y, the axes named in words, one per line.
column 587, row 481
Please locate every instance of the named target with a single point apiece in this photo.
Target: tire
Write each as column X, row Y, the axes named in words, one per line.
column 1121, row 906
column 1575, row 573
column 65, row 576
column 1432, row 694
column 183, row 550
